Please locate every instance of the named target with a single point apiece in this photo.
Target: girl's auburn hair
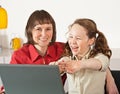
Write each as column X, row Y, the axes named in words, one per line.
column 100, row 45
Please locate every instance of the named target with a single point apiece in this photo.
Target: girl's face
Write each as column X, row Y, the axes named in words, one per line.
column 42, row 34
column 78, row 40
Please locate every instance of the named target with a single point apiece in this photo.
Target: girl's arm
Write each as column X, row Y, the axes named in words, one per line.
column 92, row 63
column 100, row 64
column 73, row 66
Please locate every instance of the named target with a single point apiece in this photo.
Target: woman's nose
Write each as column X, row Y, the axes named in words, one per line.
column 43, row 33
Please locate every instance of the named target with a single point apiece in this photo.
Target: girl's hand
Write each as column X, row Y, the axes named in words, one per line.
column 71, row 66
column 53, row 63
column 61, row 66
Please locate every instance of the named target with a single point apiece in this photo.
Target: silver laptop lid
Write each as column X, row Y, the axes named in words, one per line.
column 31, row 79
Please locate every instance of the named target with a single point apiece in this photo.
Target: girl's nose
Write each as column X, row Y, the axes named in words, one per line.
column 74, row 40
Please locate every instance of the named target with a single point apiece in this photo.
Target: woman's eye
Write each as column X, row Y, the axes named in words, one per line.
column 48, row 29
column 38, row 29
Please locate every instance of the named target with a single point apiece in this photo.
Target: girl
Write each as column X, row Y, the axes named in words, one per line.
column 86, row 58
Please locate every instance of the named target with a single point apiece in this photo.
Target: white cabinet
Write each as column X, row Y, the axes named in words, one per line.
column 115, row 59
column 5, row 55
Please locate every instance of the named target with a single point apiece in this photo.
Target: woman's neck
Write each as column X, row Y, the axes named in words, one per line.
column 41, row 50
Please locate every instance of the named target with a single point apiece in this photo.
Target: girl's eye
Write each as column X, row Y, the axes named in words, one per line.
column 78, row 38
column 70, row 37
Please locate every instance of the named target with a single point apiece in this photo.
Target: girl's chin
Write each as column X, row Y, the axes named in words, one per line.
column 74, row 53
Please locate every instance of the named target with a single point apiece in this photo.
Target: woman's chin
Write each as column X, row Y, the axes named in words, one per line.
column 43, row 44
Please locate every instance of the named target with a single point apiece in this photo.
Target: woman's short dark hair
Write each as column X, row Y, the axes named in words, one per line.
column 39, row 17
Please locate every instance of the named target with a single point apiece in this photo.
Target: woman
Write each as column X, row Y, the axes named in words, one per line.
column 41, row 47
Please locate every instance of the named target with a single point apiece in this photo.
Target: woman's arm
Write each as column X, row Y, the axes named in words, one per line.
column 2, row 91
column 111, row 87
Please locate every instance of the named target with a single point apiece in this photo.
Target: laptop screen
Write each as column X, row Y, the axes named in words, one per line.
column 31, row 79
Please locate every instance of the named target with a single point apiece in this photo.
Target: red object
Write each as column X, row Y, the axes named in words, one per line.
column 29, row 55
column 2, row 88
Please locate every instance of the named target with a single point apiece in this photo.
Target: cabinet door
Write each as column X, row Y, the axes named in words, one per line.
column 1, row 59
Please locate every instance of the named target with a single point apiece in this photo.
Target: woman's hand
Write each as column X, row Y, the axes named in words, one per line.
column 2, row 91
column 111, row 87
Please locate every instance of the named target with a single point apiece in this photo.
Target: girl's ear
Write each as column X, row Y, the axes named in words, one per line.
column 91, row 41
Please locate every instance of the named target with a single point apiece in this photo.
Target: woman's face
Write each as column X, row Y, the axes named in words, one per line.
column 42, row 34
column 78, row 40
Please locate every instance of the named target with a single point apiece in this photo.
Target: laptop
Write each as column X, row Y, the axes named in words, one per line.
column 31, row 79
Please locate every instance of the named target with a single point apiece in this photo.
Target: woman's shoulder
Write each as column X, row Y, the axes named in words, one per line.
column 57, row 48
column 59, row 44
column 21, row 55
column 24, row 49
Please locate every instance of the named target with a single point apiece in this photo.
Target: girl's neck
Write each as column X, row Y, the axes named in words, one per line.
column 82, row 55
